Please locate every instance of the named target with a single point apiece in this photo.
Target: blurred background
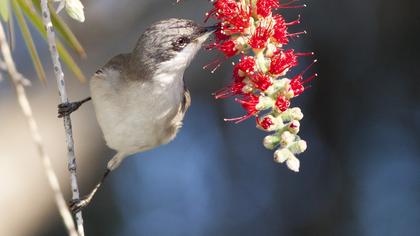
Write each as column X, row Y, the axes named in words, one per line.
column 359, row 176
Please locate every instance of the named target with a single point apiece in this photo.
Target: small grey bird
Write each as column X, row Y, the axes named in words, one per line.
column 140, row 98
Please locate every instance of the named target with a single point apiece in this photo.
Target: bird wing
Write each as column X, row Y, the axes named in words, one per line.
column 116, row 63
column 186, row 101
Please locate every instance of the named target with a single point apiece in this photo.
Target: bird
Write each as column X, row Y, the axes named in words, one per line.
column 140, row 98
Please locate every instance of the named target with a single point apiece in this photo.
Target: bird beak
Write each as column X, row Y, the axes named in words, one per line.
column 211, row 28
column 204, row 32
column 207, row 30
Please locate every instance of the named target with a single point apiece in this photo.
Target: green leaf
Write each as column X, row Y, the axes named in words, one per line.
column 36, row 21
column 4, row 10
column 27, row 37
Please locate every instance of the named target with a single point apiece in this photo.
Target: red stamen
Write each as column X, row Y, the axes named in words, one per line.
column 265, row 123
column 282, row 103
column 297, row 82
column 282, row 62
column 260, row 37
column 295, row 22
column 297, row 35
column 264, row 7
column 261, row 81
column 249, row 103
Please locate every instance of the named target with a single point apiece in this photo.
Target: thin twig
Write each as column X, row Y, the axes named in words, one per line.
column 18, row 82
column 59, row 75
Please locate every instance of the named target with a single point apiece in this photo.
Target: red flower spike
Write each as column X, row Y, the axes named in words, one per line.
column 264, row 7
column 282, row 103
column 283, row 61
column 228, row 48
column 261, row 81
column 266, row 123
column 250, row 27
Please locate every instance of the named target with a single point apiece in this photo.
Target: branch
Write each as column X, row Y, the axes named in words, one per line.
column 59, row 75
column 18, row 82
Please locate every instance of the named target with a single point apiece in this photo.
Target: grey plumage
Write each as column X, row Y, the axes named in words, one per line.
column 168, row 34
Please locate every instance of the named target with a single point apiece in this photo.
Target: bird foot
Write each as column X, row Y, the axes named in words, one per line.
column 78, row 205
column 65, row 109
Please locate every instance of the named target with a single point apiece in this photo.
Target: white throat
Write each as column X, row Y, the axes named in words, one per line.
column 177, row 65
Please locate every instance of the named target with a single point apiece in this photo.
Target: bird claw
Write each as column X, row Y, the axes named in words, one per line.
column 78, row 205
column 65, row 109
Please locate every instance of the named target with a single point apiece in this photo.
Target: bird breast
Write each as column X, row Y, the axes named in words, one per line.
column 136, row 115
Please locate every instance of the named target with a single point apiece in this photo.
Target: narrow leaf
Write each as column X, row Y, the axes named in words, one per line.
column 4, row 10
column 27, row 37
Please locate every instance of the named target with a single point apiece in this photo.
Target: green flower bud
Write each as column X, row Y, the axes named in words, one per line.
column 271, row 141
column 298, row 147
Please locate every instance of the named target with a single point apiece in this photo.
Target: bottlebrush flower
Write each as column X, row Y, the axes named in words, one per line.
column 251, row 28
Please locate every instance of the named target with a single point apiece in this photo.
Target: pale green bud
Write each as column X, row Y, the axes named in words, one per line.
column 283, row 154
column 286, row 138
column 298, row 147
column 293, row 163
column 277, row 86
column 294, row 127
column 271, row 141
column 265, row 103
column 270, row 49
column 292, row 114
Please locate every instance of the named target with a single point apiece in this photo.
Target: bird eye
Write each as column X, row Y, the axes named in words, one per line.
column 181, row 42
